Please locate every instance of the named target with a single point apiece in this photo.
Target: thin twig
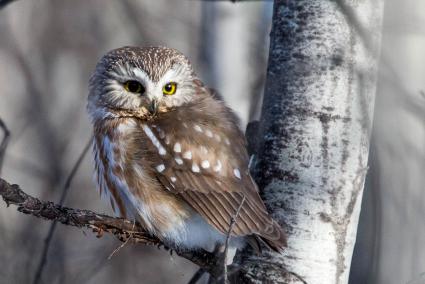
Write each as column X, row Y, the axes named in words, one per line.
column 122, row 245
column 3, row 3
column 195, row 278
column 229, row 232
column 119, row 248
column 52, row 228
column 4, row 142
column 100, row 223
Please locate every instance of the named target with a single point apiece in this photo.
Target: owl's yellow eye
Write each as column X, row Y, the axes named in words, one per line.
column 169, row 88
column 134, row 87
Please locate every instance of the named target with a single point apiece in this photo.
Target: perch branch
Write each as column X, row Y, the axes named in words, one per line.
column 100, row 223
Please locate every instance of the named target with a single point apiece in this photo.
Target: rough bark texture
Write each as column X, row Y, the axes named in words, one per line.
column 124, row 230
column 311, row 157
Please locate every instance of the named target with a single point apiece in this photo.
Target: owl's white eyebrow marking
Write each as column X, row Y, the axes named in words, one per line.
column 173, row 179
column 160, row 168
column 195, row 168
column 154, row 140
column 217, row 137
column 205, row 164
column 209, row 133
column 237, row 173
column 187, row 155
column 217, row 167
column 177, row 148
column 178, row 161
column 141, row 75
column 197, row 128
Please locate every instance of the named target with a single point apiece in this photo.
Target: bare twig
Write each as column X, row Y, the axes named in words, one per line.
column 4, row 142
column 99, row 223
column 52, row 228
column 229, row 232
column 122, row 245
column 119, row 248
column 195, row 278
column 3, row 3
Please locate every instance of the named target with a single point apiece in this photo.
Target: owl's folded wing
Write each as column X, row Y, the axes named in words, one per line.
column 214, row 185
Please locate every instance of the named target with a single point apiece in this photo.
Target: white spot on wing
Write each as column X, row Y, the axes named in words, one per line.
column 227, row 141
column 204, row 150
column 217, row 167
column 160, row 168
column 205, row 164
column 197, row 128
column 179, row 161
column 195, row 168
column 173, row 179
column 237, row 173
column 209, row 133
column 187, row 155
column 177, row 148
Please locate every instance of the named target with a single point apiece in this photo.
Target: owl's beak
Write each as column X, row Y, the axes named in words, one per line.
column 153, row 107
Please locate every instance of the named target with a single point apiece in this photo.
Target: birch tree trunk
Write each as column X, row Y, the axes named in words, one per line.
column 313, row 136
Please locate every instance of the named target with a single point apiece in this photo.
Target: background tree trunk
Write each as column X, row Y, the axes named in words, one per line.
column 311, row 157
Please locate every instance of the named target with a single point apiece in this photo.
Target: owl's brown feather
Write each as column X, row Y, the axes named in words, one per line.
column 176, row 163
column 216, row 195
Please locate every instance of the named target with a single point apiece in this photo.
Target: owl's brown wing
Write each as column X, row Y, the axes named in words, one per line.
column 207, row 166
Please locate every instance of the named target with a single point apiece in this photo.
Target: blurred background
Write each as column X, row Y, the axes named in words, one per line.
column 48, row 50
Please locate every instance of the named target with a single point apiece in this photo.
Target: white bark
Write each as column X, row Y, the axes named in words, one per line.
column 314, row 135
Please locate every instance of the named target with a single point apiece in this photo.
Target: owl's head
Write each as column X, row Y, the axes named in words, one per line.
column 140, row 81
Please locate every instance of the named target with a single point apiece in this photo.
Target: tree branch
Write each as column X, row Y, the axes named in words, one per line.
column 3, row 3
column 4, row 142
column 122, row 229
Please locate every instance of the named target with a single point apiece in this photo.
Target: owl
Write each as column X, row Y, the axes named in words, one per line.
column 169, row 153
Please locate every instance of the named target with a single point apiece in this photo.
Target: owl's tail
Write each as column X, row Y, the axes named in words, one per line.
column 274, row 237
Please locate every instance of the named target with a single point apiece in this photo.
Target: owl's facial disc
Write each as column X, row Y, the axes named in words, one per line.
column 140, row 81
column 131, row 88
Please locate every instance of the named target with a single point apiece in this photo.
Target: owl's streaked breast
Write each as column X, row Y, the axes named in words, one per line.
column 133, row 191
